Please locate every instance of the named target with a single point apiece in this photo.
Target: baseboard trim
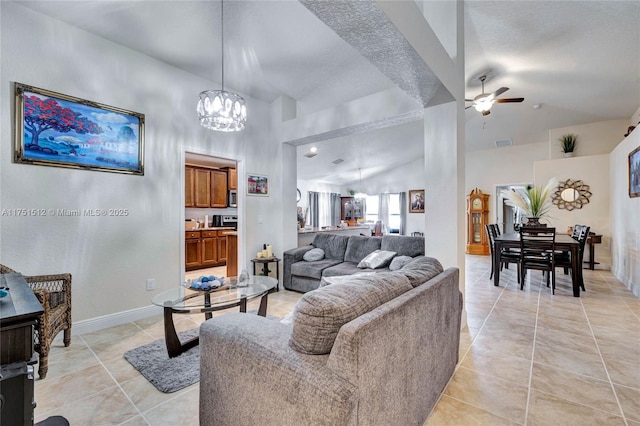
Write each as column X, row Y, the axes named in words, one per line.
column 111, row 320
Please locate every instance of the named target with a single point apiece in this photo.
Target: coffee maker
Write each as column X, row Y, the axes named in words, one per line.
column 217, row 221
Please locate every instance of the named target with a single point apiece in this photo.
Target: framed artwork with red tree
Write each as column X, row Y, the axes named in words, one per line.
column 53, row 129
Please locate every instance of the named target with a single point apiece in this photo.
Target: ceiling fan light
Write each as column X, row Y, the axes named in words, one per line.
column 483, row 105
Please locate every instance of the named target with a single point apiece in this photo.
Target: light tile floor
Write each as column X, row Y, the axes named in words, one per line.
column 526, row 357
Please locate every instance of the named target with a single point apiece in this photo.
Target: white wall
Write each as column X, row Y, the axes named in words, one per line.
column 111, row 257
column 400, row 179
column 625, row 216
column 593, row 138
column 593, row 171
column 501, row 166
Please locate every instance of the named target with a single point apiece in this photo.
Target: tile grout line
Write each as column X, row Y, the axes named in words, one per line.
column 116, row 382
column 533, row 352
column 604, row 364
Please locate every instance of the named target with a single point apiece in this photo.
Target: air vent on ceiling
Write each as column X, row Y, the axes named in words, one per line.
column 504, row 142
column 338, row 161
column 310, row 154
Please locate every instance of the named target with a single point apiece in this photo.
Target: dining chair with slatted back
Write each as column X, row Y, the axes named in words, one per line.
column 563, row 259
column 507, row 256
column 537, row 251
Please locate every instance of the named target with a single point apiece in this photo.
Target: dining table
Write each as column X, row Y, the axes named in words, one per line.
column 563, row 242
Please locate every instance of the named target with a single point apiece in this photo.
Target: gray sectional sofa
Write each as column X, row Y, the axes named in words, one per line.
column 376, row 349
column 342, row 255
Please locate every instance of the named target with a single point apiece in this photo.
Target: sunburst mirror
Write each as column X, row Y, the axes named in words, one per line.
column 571, row 194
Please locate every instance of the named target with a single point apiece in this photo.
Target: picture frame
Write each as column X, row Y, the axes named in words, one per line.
column 634, row 173
column 416, row 201
column 53, row 129
column 257, row 185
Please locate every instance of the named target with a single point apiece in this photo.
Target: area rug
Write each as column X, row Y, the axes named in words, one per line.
column 167, row 374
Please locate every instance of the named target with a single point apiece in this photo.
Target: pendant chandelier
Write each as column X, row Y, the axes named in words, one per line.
column 218, row 109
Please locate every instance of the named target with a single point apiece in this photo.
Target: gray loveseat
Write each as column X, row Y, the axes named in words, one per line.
column 376, row 350
column 342, row 255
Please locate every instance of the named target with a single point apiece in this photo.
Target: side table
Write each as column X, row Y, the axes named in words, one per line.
column 592, row 240
column 265, row 267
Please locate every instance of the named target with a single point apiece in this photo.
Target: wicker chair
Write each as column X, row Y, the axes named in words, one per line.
column 54, row 294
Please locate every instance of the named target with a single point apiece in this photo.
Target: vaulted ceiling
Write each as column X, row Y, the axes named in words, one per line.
column 578, row 60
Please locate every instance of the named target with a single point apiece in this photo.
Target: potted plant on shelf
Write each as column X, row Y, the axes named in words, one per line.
column 568, row 144
column 534, row 201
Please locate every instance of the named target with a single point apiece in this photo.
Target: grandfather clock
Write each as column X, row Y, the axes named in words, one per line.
column 477, row 218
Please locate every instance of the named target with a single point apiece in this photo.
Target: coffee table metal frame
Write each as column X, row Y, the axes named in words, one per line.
column 176, row 306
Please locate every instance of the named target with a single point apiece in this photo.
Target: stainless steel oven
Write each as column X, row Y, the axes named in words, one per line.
column 233, row 198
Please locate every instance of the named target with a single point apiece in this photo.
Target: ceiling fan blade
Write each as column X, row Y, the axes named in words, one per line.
column 499, row 92
column 468, row 100
column 468, row 107
column 505, row 100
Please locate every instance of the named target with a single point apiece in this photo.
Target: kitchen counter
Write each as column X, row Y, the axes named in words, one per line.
column 306, row 236
column 212, row 228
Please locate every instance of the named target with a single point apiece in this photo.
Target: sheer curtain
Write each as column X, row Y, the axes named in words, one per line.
column 403, row 213
column 336, row 205
column 383, row 212
column 324, row 209
column 314, row 209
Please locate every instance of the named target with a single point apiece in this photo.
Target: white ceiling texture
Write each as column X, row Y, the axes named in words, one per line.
column 578, row 60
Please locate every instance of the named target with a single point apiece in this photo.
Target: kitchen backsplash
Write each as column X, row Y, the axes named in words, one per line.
column 200, row 213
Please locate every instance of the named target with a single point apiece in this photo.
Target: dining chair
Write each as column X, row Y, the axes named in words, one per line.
column 563, row 258
column 54, row 294
column 506, row 255
column 537, row 251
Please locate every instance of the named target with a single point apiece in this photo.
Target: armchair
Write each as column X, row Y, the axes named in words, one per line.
column 54, row 294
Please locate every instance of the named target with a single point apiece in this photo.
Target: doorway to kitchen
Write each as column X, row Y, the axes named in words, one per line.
column 508, row 217
column 211, row 216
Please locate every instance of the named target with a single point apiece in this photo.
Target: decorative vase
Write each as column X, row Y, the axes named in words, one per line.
column 568, row 154
column 533, row 221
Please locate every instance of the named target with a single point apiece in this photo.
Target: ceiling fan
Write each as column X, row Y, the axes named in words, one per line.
column 484, row 101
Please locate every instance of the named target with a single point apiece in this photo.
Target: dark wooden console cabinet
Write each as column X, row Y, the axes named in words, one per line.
column 18, row 313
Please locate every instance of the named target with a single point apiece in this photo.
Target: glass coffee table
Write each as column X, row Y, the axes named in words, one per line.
column 181, row 300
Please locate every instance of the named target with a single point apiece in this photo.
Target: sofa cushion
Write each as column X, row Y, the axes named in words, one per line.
column 312, row 269
column 344, row 268
column 313, row 254
column 421, row 269
column 403, row 245
column 319, row 314
column 359, row 247
column 377, row 259
column 398, row 262
column 333, row 245
column 339, row 279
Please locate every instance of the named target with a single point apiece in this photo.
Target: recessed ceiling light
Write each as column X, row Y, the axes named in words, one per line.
column 313, row 149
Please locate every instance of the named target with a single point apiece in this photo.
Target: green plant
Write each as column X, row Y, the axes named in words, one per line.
column 568, row 142
column 351, row 192
column 534, row 201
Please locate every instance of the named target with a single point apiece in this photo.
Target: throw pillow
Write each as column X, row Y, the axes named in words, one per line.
column 314, row 254
column 398, row 262
column 377, row 259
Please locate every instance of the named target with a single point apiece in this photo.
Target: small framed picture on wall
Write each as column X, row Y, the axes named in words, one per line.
column 257, row 185
column 634, row 173
column 416, row 201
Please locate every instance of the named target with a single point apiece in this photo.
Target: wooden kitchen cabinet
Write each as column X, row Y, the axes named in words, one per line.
column 232, row 179
column 222, row 247
column 189, row 187
column 192, row 250
column 202, row 187
column 218, row 188
column 209, row 242
column 205, row 248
